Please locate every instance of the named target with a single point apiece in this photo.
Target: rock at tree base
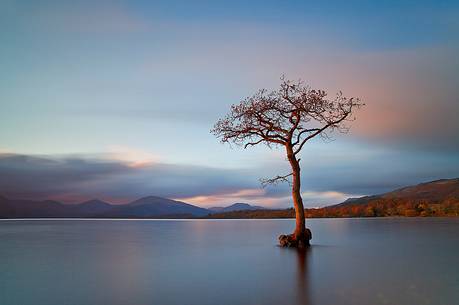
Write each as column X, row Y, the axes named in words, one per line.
column 292, row 242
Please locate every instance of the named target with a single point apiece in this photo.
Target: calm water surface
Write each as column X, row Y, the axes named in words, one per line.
column 136, row 262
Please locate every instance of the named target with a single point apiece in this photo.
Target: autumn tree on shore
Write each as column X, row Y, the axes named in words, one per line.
column 288, row 117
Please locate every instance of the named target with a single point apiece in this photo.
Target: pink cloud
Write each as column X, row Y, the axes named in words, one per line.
column 259, row 196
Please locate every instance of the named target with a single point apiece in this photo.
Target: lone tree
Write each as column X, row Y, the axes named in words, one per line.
column 288, row 117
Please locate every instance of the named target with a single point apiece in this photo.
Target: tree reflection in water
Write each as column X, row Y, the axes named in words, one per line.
column 303, row 292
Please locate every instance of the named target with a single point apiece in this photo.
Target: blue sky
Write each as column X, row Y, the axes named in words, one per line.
column 130, row 89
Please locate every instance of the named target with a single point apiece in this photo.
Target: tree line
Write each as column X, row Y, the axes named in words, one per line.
column 374, row 208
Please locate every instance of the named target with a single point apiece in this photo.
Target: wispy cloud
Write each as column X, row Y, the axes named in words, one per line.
column 260, row 196
column 131, row 156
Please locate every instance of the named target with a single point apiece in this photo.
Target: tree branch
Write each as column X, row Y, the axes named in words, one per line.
column 253, row 143
column 265, row 181
column 319, row 131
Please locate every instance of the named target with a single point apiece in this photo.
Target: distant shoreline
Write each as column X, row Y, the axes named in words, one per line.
column 213, row 218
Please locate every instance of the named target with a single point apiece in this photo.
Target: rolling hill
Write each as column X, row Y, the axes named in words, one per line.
column 236, row 207
column 433, row 192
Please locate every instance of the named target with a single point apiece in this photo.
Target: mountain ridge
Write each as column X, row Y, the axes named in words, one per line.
column 145, row 207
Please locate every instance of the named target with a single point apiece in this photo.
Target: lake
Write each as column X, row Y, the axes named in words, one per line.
column 184, row 262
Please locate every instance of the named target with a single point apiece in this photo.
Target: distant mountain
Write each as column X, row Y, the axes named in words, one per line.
column 432, row 192
column 236, row 207
column 157, row 207
column 93, row 207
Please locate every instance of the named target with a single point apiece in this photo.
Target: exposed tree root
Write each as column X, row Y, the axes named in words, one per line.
column 294, row 241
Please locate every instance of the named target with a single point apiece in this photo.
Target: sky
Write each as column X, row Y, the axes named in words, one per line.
column 115, row 99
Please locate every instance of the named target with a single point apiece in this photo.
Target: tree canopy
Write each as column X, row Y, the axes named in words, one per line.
column 289, row 116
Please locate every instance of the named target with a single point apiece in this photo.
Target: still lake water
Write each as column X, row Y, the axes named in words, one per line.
column 186, row 262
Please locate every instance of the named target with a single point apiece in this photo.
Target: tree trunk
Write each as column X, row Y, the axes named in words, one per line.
column 301, row 235
column 297, row 200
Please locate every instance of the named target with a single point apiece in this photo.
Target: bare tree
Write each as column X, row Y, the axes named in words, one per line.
column 288, row 117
